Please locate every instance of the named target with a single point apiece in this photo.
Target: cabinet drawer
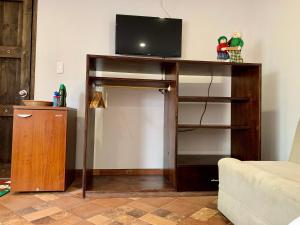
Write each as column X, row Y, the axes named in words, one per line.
column 197, row 178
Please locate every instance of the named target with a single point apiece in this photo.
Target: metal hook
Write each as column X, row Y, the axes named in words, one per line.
column 165, row 90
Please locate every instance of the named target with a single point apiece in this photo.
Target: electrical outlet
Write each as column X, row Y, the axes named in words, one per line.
column 59, row 67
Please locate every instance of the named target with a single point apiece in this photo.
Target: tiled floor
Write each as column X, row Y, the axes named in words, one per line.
column 69, row 208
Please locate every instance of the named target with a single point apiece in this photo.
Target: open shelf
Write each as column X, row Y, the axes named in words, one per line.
column 131, row 82
column 194, row 160
column 211, row 99
column 196, row 126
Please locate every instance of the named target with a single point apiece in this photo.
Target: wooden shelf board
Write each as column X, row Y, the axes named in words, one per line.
column 131, row 82
column 211, row 99
column 199, row 160
column 197, row 126
column 43, row 108
column 119, row 58
column 125, row 184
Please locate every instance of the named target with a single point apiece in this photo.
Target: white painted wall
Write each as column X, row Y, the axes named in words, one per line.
column 280, row 34
column 205, row 141
column 69, row 29
column 129, row 132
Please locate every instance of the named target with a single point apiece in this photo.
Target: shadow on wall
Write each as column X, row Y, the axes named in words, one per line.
column 255, row 51
column 270, row 134
column 79, row 144
column 80, row 131
column 112, row 28
column 270, row 118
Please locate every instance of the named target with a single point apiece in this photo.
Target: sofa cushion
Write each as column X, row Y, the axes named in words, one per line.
column 283, row 169
column 271, row 197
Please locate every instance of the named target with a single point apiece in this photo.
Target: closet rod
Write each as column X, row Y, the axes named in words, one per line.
column 134, row 87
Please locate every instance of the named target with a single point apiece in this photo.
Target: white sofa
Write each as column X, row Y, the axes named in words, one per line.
column 261, row 192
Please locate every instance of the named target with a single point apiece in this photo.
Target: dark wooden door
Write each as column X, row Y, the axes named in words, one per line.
column 16, row 20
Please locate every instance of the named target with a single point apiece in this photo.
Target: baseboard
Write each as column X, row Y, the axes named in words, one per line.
column 123, row 172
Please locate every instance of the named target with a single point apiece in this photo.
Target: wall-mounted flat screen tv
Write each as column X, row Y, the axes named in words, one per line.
column 150, row 36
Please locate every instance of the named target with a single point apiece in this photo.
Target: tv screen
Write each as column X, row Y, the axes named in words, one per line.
column 152, row 36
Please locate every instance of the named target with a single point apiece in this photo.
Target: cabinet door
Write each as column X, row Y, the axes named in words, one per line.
column 38, row 157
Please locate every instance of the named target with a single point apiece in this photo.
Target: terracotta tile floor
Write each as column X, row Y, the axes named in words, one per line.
column 69, row 208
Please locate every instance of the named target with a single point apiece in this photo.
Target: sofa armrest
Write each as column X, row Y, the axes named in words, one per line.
column 254, row 187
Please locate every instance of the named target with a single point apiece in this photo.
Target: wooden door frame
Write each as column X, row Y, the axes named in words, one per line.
column 33, row 48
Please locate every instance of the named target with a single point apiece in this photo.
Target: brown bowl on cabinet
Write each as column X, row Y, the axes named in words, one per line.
column 37, row 103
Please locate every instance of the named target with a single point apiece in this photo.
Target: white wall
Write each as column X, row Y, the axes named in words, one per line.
column 69, row 29
column 129, row 132
column 205, row 141
column 280, row 34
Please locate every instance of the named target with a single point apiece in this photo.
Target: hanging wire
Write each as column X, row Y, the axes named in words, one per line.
column 164, row 8
column 208, row 94
column 206, row 102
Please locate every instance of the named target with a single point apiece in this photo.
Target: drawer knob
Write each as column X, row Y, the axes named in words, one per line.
column 8, row 51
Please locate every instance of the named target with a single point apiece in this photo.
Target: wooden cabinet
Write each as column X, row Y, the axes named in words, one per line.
column 196, row 169
column 197, row 172
column 44, row 146
column 197, row 177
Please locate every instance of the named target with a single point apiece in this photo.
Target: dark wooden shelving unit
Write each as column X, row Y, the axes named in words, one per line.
column 193, row 173
column 180, row 172
column 212, row 99
column 203, row 126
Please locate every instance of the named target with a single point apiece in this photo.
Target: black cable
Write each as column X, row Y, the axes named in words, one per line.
column 208, row 94
column 205, row 106
column 164, row 8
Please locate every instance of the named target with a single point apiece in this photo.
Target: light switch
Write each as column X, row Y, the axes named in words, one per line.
column 59, row 67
